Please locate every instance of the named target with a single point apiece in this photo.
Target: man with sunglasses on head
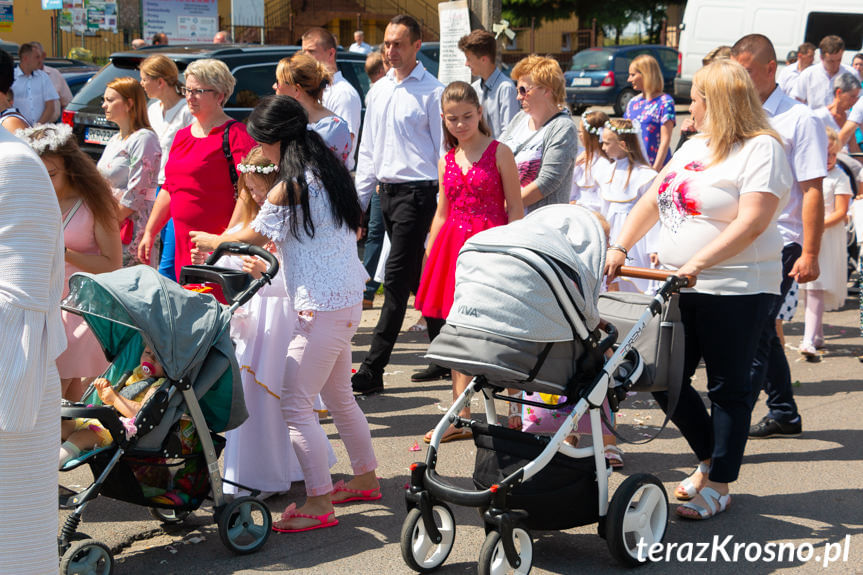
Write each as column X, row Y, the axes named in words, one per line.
column 400, row 148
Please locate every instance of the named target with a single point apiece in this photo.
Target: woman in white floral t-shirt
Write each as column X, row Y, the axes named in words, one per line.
column 130, row 161
column 717, row 201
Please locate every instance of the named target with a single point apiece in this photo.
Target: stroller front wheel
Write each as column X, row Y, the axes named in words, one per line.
column 87, row 557
column 418, row 550
column 637, row 518
column 244, row 525
column 169, row 516
column 492, row 557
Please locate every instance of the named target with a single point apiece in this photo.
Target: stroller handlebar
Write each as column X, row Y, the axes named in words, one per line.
column 658, row 275
column 241, row 249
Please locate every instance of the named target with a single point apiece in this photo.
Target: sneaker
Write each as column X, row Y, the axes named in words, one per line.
column 807, row 350
column 431, row 373
column 769, row 427
column 368, row 304
column 365, row 382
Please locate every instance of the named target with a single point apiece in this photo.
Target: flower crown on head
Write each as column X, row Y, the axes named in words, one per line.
column 255, row 169
column 51, row 137
column 635, row 129
column 592, row 130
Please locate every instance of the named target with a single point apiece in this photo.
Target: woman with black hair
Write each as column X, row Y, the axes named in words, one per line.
column 312, row 214
column 10, row 117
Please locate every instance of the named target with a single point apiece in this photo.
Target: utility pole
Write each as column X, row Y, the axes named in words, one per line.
column 484, row 13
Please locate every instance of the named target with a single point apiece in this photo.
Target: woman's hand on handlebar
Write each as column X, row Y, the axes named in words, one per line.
column 614, row 259
column 199, row 256
column 204, row 241
column 254, row 266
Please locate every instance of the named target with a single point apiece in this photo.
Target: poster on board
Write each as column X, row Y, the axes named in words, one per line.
column 183, row 21
column 454, row 23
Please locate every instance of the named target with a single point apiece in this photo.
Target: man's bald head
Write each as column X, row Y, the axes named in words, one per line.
column 758, row 45
column 756, row 54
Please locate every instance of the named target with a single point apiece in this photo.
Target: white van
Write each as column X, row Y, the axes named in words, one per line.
column 788, row 23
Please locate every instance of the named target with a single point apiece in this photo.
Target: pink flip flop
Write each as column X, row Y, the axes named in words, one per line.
column 359, row 494
column 323, row 520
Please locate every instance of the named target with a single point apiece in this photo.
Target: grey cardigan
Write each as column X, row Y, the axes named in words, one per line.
column 559, row 149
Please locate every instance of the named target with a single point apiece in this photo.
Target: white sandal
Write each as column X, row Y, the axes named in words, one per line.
column 687, row 487
column 717, row 504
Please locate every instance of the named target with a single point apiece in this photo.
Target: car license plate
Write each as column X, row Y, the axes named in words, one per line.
column 580, row 82
column 98, row 135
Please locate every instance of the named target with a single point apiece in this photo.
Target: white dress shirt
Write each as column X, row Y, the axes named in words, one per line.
column 342, row 99
column 363, row 48
column 814, row 86
column 403, row 132
column 805, row 143
column 31, row 93
column 59, row 83
column 787, row 78
column 856, row 113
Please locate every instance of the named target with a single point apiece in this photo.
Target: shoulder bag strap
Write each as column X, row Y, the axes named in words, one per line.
column 532, row 136
column 226, row 149
column 71, row 213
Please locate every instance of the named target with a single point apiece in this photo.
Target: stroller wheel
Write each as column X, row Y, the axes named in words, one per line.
column 638, row 513
column 418, row 550
column 492, row 558
column 244, row 525
column 87, row 557
column 169, row 516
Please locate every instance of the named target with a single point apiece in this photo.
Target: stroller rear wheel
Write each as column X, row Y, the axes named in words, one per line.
column 492, row 558
column 418, row 550
column 169, row 516
column 244, row 525
column 87, row 557
column 637, row 518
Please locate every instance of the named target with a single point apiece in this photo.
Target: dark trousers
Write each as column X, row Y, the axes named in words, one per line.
column 722, row 330
column 407, row 211
column 373, row 245
column 770, row 369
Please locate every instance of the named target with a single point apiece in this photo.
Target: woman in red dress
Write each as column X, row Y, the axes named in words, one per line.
column 198, row 192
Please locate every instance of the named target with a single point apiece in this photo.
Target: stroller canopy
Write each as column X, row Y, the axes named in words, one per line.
column 502, row 296
column 180, row 326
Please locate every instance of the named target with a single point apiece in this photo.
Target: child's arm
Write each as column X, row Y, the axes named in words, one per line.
column 840, row 210
column 511, row 185
column 126, row 407
column 442, row 210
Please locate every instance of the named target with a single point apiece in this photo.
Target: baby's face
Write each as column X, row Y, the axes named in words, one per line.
column 149, row 357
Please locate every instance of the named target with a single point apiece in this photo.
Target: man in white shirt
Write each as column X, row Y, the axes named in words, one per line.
column 497, row 94
column 57, row 79
column 35, row 95
column 360, row 46
column 788, row 76
column 400, row 148
column 814, row 86
column 801, row 225
column 340, row 97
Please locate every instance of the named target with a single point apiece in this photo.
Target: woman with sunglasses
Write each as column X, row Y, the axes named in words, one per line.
column 542, row 136
column 198, row 192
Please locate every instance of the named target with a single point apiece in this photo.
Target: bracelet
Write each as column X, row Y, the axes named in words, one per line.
column 618, row 248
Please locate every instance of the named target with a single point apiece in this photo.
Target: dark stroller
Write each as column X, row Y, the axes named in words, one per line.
column 171, row 464
column 525, row 316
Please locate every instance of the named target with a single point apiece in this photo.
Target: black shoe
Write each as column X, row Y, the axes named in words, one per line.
column 769, row 427
column 365, row 382
column 431, row 373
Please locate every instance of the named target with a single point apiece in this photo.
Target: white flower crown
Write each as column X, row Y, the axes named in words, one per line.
column 253, row 169
column 635, row 129
column 592, row 130
column 51, row 137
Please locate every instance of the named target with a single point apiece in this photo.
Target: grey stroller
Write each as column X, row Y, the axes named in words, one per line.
column 171, row 464
column 525, row 316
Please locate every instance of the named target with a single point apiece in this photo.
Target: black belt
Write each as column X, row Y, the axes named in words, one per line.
column 404, row 187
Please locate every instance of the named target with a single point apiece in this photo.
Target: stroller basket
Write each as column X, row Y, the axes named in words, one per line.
column 564, row 494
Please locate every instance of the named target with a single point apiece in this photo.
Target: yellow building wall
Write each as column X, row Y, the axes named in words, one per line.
column 30, row 24
column 548, row 38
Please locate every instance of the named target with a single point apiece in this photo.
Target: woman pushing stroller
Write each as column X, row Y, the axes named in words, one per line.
column 717, row 202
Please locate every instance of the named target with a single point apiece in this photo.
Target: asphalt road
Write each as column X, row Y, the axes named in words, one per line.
column 795, row 490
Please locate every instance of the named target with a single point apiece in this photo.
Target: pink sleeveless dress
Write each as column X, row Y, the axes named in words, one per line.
column 83, row 356
column 476, row 203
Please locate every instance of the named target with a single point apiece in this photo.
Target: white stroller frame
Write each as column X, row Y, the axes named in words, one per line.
column 639, row 507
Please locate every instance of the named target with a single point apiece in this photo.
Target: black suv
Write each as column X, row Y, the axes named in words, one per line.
column 254, row 68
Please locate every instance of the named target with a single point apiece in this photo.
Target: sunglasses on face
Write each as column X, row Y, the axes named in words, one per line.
column 522, row 91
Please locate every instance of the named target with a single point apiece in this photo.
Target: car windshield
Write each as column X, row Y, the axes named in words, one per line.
column 591, row 60
column 91, row 94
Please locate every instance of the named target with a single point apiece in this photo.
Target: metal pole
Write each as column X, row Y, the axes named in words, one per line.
column 532, row 32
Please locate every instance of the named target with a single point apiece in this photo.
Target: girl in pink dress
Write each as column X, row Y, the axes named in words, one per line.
column 479, row 189
column 92, row 236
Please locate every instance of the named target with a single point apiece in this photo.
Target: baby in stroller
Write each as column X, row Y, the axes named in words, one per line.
column 84, row 434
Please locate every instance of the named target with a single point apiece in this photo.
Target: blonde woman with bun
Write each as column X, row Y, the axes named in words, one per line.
column 717, row 201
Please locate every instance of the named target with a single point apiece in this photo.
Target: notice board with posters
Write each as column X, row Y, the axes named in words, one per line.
column 454, row 23
column 183, row 21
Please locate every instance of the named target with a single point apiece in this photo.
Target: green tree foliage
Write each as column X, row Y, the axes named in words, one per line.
column 520, row 12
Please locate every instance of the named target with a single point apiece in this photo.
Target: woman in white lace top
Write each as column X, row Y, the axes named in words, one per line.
column 312, row 214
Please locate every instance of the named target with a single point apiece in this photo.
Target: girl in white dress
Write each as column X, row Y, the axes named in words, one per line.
column 591, row 165
column 828, row 292
column 631, row 177
column 258, row 453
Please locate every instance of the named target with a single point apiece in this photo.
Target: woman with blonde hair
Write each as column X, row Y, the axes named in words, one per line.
column 652, row 109
column 168, row 113
column 304, row 79
column 717, row 202
column 130, row 161
column 542, row 135
column 200, row 192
